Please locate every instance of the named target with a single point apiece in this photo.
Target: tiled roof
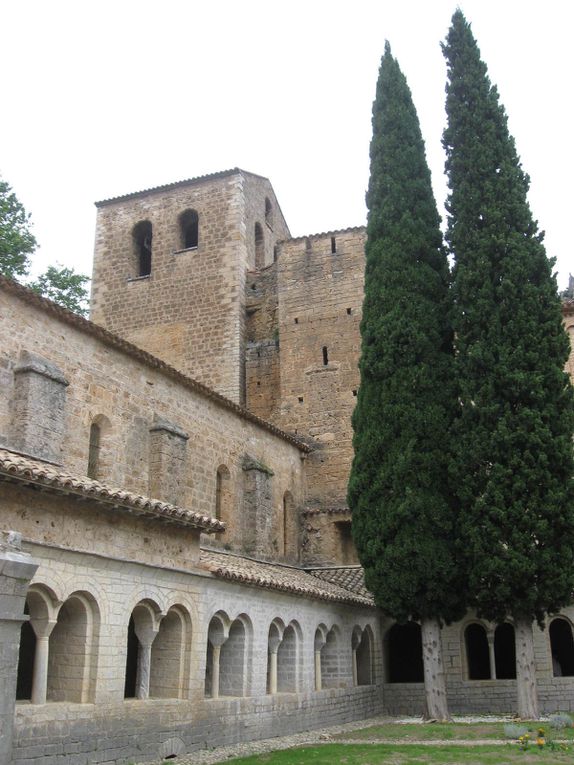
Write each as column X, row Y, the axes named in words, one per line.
column 29, row 470
column 118, row 343
column 176, row 185
column 275, row 576
column 348, row 577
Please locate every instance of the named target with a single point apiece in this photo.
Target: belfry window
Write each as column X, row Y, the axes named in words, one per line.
column 142, row 237
column 189, row 226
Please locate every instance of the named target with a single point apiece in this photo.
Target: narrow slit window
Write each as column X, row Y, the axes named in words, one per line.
column 94, row 450
column 349, row 311
column 296, row 320
column 333, row 245
column 259, row 247
column 325, row 356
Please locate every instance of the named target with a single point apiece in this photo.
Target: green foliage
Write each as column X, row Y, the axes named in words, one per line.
column 17, row 242
column 403, row 512
column 513, row 464
column 64, row 286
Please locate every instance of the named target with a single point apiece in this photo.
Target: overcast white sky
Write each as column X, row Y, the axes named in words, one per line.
column 105, row 97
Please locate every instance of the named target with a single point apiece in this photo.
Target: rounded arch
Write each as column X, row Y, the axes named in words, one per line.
column 142, row 628
column 223, row 495
column 170, row 655
column 364, row 657
column 404, row 653
column 100, row 457
column 476, row 651
column 561, row 646
column 73, row 650
column 289, row 531
column 331, row 659
column 150, row 594
column 142, row 235
column 189, row 229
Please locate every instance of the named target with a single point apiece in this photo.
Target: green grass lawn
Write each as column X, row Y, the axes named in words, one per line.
column 406, row 754
column 444, row 732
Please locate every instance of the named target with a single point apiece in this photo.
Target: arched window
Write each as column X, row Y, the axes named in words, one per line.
column 362, row 645
column 259, row 247
column 94, row 450
column 72, row 655
column 505, row 652
column 477, row 653
column 189, row 228
column 26, row 657
column 142, row 630
column 226, row 657
column 222, row 493
column 562, row 647
column 290, row 528
column 268, row 213
column 283, row 657
column 100, row 458
column 169, row 653
column 404, row 649
column 142, row 240
column 330, row 668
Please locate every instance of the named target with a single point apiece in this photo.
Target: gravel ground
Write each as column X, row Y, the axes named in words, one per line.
column 322, row 736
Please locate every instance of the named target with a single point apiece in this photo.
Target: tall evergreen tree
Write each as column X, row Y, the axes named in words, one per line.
column 403, row 513
column 513, row 464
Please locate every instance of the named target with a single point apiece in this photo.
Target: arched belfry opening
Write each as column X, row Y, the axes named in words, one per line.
column 189, row 229
column 142, row 239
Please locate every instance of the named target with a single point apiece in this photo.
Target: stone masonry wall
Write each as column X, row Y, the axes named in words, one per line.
column 482, row 696
column 132, row 396
column 112, row 728
column 188, row 310
column 320, row 300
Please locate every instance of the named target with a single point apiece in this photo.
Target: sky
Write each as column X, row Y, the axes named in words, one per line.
column 105, row 97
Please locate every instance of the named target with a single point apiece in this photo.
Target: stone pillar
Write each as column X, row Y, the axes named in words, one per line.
column 16, row 570
column 43, row 629
column 258, row 514
column 146, row 634
column 168, row 445
column 492, row 655
column 216, row 653
column 274, row 643
column 38, row 407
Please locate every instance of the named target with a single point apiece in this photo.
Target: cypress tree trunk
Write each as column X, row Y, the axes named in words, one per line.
column 525, row 670
column 435, row 680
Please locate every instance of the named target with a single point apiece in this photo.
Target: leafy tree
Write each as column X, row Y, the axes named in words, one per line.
column 17, row 242
column 513, row 462
column 17, row 245
column 403, row 513
column 64, row 286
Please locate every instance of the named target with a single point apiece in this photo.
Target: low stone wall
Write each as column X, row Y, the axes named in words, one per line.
column 135, row 730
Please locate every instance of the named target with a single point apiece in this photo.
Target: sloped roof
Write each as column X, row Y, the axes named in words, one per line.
column 25, row 469
column 177, row 184
column 348, row 577
column 275, row 576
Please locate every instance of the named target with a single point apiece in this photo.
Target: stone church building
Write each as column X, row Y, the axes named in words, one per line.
column 176, row 563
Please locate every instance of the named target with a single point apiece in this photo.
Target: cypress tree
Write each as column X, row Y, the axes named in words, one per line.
column 403, row 513
column 513, row 462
